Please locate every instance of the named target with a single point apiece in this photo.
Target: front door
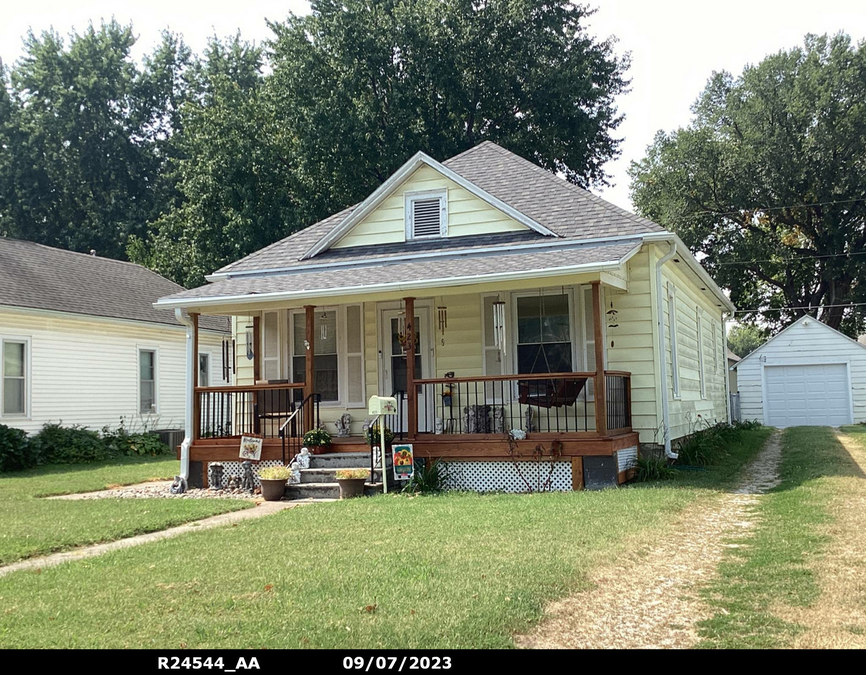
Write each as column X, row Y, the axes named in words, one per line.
column 394, row 369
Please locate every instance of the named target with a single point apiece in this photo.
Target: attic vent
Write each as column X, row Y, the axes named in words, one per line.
column 426, row 216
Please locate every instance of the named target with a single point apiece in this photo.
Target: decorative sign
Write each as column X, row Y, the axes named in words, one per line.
column 383, row 405
column 404, row 461
column 251, row 448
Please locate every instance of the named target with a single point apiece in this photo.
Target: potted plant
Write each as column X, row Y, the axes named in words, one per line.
column 373, row 433
column 317, row 440
column 352, row 482
column 273, row 480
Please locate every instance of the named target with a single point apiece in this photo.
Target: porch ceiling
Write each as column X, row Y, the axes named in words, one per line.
column 382, row 277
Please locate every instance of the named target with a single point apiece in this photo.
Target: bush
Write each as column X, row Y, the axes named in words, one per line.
column 709, row 445
column 68, row 445
column 120, row 443
column 16, row 452
column 317, row 438
column 429, row 477
column 275, row 473
column 655, row 468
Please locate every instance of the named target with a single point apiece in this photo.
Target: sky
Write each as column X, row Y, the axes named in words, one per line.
column 675, row 45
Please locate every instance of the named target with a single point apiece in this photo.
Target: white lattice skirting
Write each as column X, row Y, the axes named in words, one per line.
column 235, row 469
column 504, row 476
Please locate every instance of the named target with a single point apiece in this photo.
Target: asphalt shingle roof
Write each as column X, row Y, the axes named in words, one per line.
column 450, row 267
column 566, row 209
column 41, row 277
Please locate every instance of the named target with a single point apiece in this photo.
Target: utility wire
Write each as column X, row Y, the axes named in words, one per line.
column 778, row 208
column 791, row 259
column 809, row 308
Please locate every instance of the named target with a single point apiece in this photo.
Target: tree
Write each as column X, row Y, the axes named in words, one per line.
column 768, row 182
column 82, row 130
column 744, row 338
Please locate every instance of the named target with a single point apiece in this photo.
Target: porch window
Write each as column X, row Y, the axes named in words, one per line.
column 14, row 377
column 544, row 334
column 325, row 360
column 147, row 381
column 204, row 370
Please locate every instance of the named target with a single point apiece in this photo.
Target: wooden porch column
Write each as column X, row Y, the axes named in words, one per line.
column 600, row 384
column 412, row 416
column 196, row 403
column 310, row 370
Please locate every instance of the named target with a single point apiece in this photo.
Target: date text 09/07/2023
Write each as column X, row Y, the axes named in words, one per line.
column 396, row 663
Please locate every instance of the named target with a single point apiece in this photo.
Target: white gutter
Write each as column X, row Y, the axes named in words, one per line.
column 663, row 362
column 188, row 399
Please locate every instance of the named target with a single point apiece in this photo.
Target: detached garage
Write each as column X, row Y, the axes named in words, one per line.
column 807, row 375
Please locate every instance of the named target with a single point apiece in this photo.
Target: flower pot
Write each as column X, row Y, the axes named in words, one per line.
column 319, row 449
column 351, row 487
column 273, row 490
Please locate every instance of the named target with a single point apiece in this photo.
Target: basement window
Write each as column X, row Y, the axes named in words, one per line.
column 426, row 215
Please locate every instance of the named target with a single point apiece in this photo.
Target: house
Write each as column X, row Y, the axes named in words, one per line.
column 487, row 295
column 733, row 359
column 82, row 343
column 808, row 374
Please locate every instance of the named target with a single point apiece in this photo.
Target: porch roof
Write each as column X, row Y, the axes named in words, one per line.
column 370, row 276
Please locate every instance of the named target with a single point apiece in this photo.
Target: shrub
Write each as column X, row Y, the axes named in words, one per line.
column 16, row 452
column 275, row 473
column 317, row 438
column 352, row 474
column 68, row 445
column 654, row 468
column 709, row 445
column 119, row 442
column 429, row 477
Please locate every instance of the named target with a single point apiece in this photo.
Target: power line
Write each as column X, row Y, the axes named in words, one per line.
column 791, row 259
column 779, row 208
column 809, row 308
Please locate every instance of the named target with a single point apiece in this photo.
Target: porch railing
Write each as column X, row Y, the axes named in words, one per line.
column 538, row 403
column 261, row 409
column 618, row 390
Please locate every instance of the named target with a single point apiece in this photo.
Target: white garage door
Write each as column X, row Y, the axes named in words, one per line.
column 814, row 395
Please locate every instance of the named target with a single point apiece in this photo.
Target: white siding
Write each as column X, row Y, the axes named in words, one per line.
column 805, row 342
column 84, row 370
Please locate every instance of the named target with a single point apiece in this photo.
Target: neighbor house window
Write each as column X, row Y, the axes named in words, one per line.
column 14, row 377
column 204, row 370
column 426, row 215
column 544, row 343
column 147, row 381
column 672, row 323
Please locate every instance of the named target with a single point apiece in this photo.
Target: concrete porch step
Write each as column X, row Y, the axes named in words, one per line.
column 341, row 460
column 325, row 490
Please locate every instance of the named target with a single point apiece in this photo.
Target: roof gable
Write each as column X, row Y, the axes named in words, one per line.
column 799, row 322
column 362, row 214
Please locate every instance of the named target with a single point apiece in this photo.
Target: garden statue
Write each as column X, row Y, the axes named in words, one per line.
column 215, row 475
column 178, row 486
column 470, row 419
column 234, row 482
column 499, row 423
column 440, row 427
column 248, row 481
column 527, row 416
column 343, row 425
column 303, row 459
column 366, row 427
column 517, row 434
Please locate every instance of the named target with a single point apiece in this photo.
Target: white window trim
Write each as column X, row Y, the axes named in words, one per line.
column 410, row 198
column 25, row 340
column 138, row 350
column 672, row 332
column 342, row 353
column 702, row 376
column 577, row 346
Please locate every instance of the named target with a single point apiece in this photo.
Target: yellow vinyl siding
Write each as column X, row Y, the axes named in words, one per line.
column 467, row 214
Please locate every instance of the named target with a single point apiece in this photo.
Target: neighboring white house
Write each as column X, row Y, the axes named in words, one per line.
column 82, row 344
column 809, row 374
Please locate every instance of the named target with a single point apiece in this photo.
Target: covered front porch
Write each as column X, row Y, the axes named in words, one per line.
column 481, row 375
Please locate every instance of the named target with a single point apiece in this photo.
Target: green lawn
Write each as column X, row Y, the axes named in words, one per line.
column 457, row 570
column 31, row 526
column 776, row 568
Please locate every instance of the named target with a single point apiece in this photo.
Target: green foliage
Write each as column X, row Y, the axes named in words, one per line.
column 56, row 444
column 317, row 438
column 275, row 473
column 352, row 474
column 653, row 468
column 710, row 445
column 744, row 338
column 373, row 432
column 429, row 477
column 15, row 451
column 767, row 181
column 120, row 442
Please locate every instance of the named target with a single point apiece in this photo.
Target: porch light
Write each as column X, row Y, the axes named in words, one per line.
column 499, row 325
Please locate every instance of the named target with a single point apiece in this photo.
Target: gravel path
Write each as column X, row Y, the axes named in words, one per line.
column 258, row 511
column 653, row 601
column 158, row 489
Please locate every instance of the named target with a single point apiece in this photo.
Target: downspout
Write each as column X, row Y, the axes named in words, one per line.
column 188, row 399
column 663, row 363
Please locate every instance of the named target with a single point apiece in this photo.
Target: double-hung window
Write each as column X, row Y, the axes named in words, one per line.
column 544, row 341
column 204, row 370
column 14, row 382
column 146, row 381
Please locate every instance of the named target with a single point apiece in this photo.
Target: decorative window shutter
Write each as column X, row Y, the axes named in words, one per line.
column 271, row 346
column 355, row 393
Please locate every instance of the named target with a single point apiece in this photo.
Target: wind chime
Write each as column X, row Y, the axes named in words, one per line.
column 323, row 328
column 499, row 325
